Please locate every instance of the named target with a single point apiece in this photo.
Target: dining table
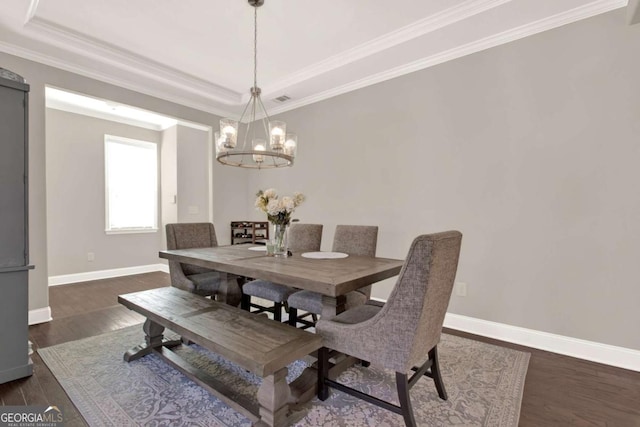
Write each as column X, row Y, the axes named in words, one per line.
column 333, row 278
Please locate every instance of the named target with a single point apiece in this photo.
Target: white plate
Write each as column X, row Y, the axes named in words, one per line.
column 258, row 248
column 324, row 255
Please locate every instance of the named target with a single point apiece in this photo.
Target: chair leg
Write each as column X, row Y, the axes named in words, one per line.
column 293, row 316
column 435, row 373
column 402, row 384
column 277, row 311
column 245, row 302
column 323, row 372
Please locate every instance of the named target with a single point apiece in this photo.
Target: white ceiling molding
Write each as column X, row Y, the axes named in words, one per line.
column 548, row 23
column 110, row 77
column 49, row 35
column 103, row 52
column 419, row 28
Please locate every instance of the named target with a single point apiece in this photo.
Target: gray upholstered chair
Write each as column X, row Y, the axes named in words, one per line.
column 302, row 238
column 357, row 240
column 191, row 278
column 404, row 332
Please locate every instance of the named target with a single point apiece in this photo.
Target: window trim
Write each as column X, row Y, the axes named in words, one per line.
column 138, row 143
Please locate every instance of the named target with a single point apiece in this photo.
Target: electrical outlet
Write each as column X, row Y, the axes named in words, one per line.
column 461, row 289
column 91, row 256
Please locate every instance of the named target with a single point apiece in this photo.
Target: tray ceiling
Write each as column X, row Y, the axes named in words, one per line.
column 200, row 52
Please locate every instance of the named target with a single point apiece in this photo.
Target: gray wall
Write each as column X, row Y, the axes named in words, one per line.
column 193, row 162
column 228, row 184
column 531, row 149
column 76, row 197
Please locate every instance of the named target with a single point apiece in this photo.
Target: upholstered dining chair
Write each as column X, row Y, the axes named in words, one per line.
column 403, row 334
column 302, row 238
column 357, row 240
column 191, row 278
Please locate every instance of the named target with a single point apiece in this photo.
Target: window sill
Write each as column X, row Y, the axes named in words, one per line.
column 132, row 231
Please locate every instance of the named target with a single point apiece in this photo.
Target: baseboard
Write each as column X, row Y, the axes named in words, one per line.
column 582, row 349
column 105, row 274
column 40, row 315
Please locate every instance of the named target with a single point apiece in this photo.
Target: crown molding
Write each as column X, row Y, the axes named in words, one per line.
column 105, row 77
column 112, row 55
column 152, row 78
column 402, row 35
column 567, row 17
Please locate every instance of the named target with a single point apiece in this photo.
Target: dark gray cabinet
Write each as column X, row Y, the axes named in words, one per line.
column 14, row 250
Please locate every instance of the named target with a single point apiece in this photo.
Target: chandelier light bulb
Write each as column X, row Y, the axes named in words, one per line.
column 278, row 131
column 259, row 145
column 291, row 142
column 229, row 132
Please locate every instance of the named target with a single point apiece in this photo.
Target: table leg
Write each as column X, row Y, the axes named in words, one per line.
column 153, row 339
column 273, row 396
column 230, row 292
column 332, row 306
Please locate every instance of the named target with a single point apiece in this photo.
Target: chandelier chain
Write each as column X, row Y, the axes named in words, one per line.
column 255, row 47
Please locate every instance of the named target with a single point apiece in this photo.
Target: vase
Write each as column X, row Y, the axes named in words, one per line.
column 280, row 240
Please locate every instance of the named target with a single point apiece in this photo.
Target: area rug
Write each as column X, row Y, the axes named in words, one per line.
column 484, row 383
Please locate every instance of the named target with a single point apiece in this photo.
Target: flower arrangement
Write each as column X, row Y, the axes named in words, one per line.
column 278, row 209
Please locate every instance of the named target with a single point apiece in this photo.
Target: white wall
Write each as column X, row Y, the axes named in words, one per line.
column 531, row 149
column 168, row 181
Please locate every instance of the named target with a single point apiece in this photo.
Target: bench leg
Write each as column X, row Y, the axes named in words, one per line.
column 273, row 396
column 153, row 339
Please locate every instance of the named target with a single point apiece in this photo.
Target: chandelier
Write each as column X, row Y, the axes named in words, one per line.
column 264, row 145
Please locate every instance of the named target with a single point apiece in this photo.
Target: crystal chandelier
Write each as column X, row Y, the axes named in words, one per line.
column 264, row 145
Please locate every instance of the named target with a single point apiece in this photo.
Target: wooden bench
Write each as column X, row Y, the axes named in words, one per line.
column 255, row 343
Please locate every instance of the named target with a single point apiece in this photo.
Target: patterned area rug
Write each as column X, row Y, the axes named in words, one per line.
column 484, row 383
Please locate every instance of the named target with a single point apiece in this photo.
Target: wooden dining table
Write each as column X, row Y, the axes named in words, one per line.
column 332, row 278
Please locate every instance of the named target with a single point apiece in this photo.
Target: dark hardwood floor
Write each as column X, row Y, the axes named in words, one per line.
column 559, row 390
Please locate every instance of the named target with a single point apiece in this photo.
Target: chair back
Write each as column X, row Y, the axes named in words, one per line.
column 358, row 240
column 410, row 323
column 191, row 235
column 305, row 237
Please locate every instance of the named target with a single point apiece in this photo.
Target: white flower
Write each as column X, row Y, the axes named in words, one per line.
column 273, row 207
column 278, row 210
column 287, row 203
column 298, row 198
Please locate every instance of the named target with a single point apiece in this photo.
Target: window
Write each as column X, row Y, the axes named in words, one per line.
column 131, row 169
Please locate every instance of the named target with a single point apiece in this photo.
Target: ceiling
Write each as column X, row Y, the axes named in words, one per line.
column 200, row 52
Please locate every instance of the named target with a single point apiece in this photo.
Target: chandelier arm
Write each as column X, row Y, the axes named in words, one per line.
column 264, row 110
column 245, row 109
column 253, row 118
